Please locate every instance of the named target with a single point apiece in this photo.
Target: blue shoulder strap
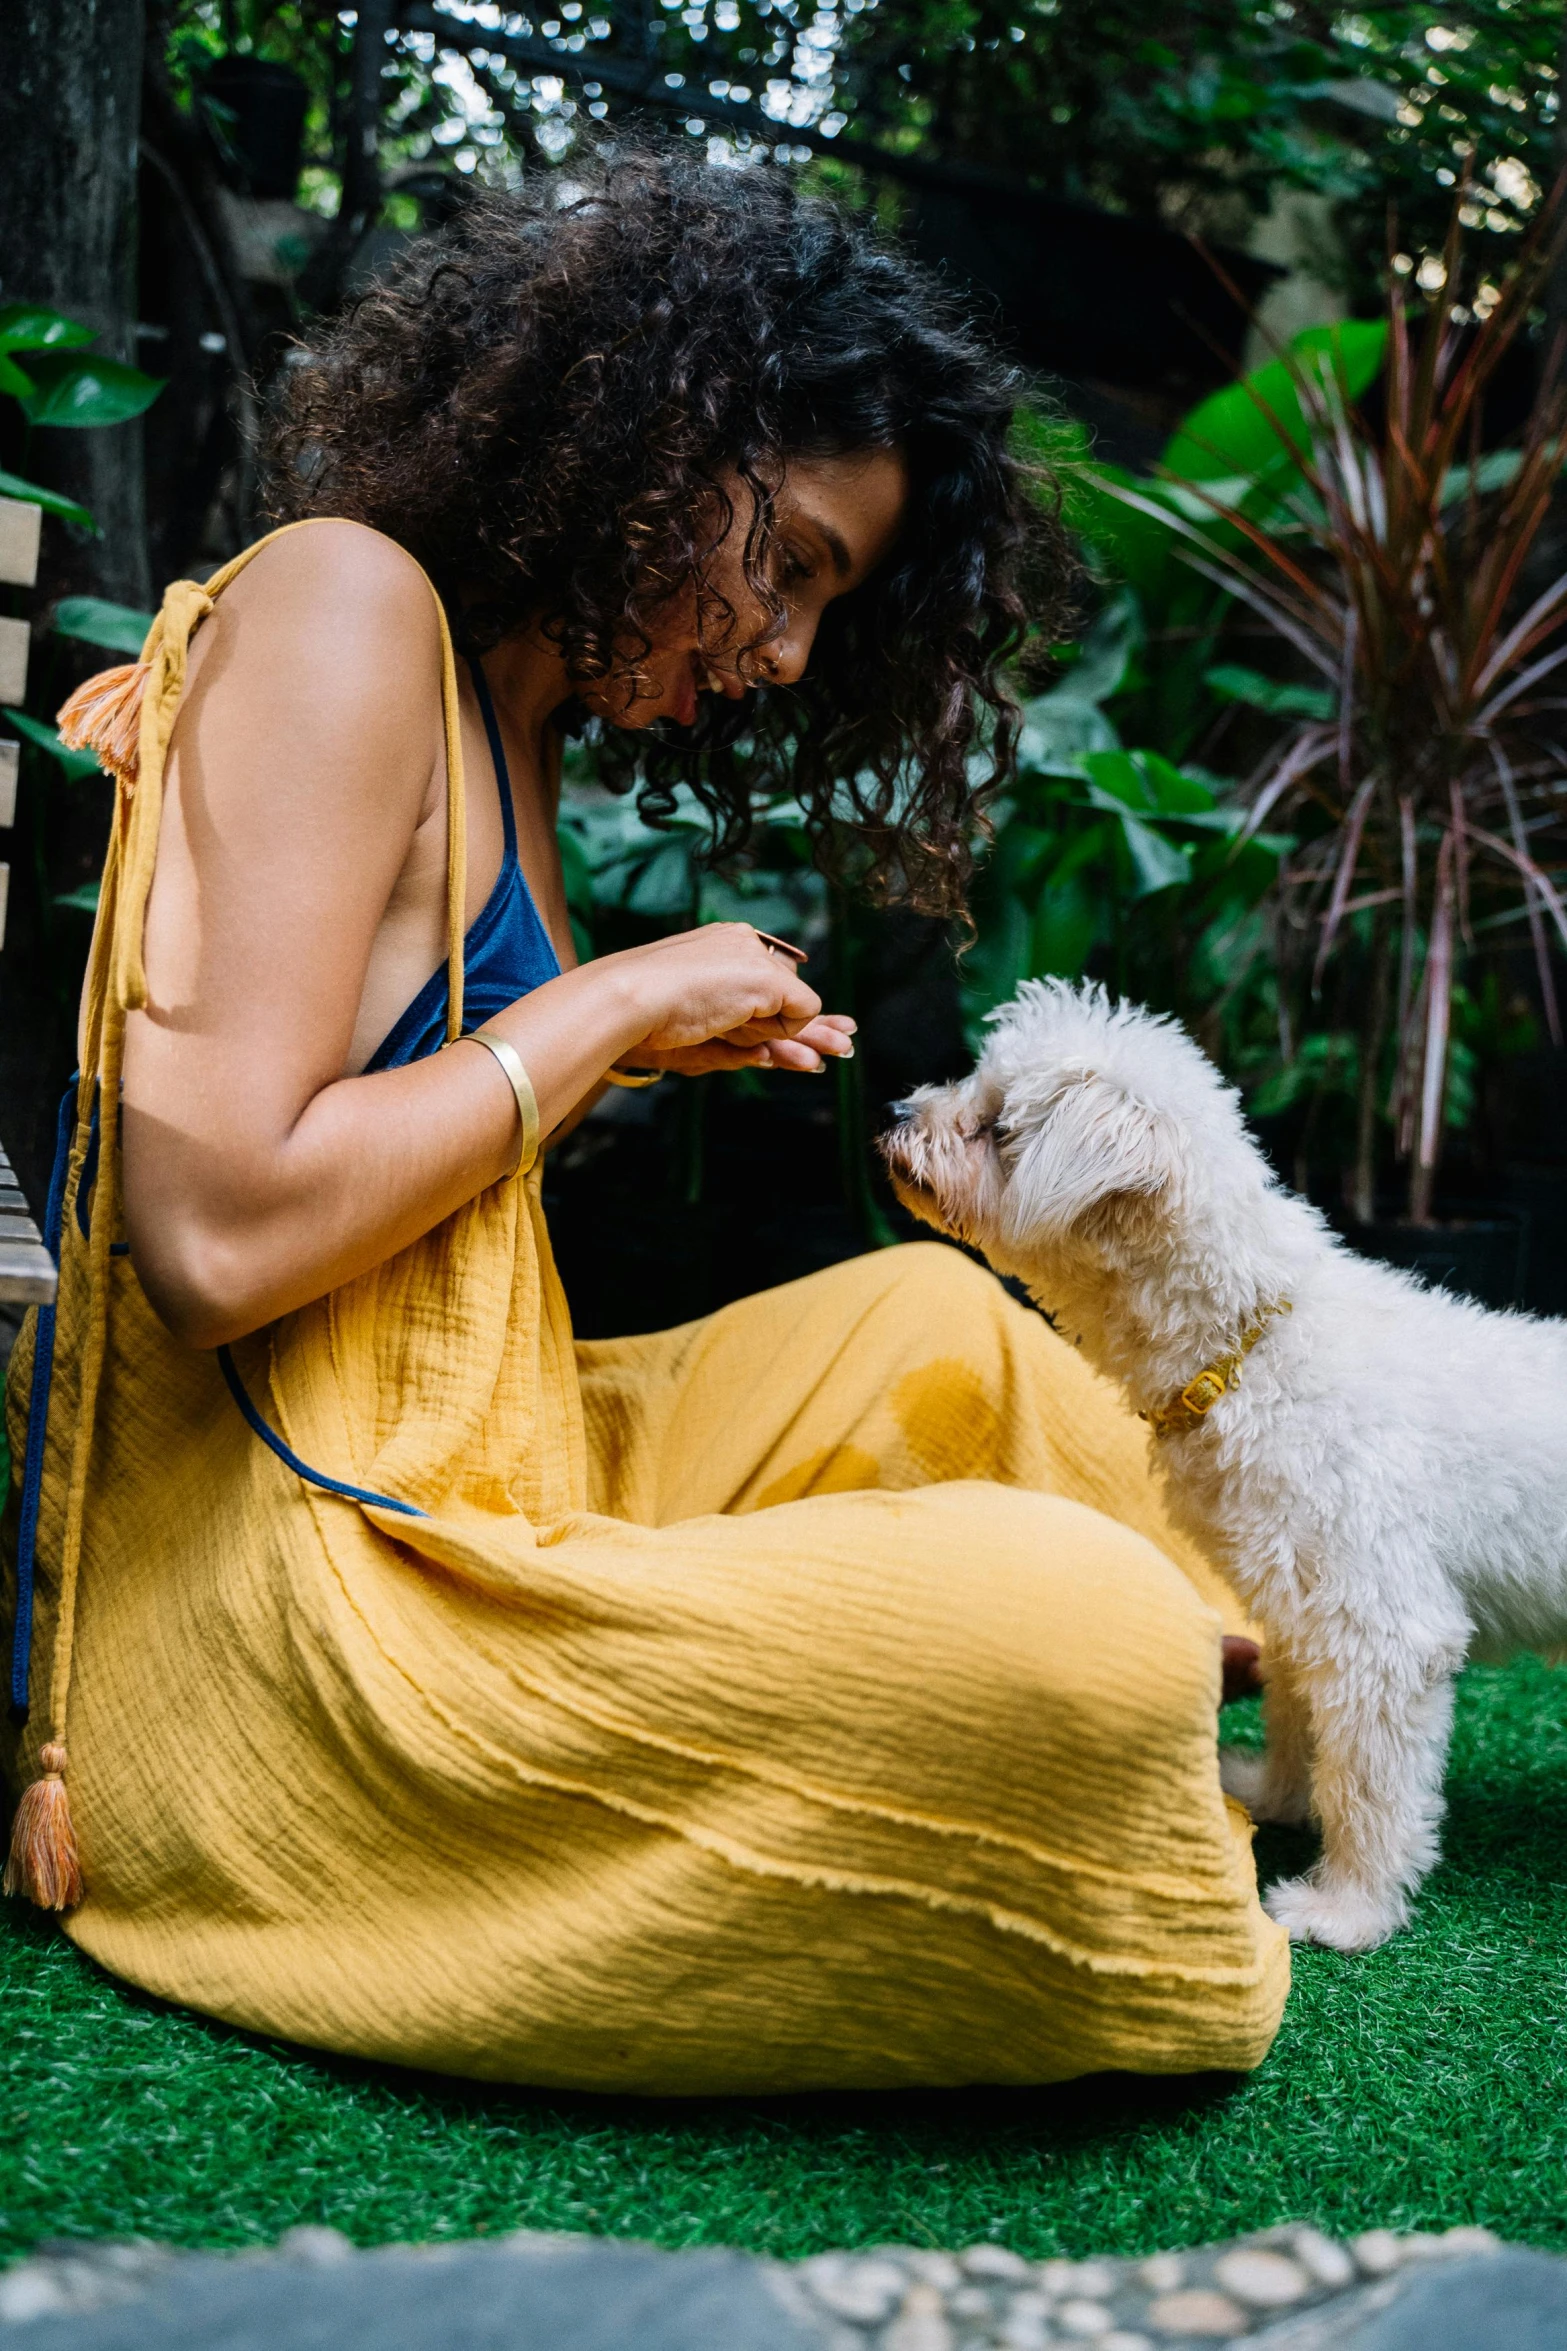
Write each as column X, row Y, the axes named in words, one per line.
column 38, row 1418
column 492, row 728
column 290, row 1459
column 38, row 1427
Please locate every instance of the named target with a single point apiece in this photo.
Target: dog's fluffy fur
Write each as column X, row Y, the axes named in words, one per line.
column 1386, row 1488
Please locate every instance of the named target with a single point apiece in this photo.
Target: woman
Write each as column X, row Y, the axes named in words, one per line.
column 805, row 1696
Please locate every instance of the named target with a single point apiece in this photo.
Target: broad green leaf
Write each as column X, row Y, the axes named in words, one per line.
column 84, row 900
column 1106, row 651
column 1116, row 781
column 13, row 486
column 118, row 628
column 998, row 961
column 1156, row 863
column 1134, row 546
column 1066, row 924
column 1235, row 432
column 664, row 884
column 576, row 871
column 1233, row 683
column 1059, row 732
column 1171, row 791
column 13, row 383
column 29, row 326
column 1023, row 852
column 75, row 388
column 75, row 763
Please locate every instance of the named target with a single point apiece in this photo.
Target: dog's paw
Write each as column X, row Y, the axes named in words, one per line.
column 1250, row 1777
column 1342, row 1918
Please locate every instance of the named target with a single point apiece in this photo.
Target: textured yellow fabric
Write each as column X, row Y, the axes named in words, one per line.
column 807, row 1696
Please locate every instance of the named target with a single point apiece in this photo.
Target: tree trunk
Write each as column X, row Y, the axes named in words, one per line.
column 70, row 83
column 70, row 99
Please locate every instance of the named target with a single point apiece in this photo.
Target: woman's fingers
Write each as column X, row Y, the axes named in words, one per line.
column 793, row 1053
column 827, row 1032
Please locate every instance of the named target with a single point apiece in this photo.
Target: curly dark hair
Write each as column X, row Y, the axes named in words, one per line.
column 539, row 403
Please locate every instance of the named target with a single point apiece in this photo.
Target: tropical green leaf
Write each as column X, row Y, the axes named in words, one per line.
column 663, row 883
column 1232, row 683
column 1171, row 790
column 82, row 901
column 1066, row 925
column 998, row 961
column 1156, row 863
column 30, row 326
column 73, row 388
column 118, row 628
column 1059, row 732
column 1129, row 543
column 1235, row 432
column 13, row 486
column 75, row 763
column 13, row 382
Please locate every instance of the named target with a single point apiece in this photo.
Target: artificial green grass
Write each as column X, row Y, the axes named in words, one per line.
column 1422, row 2085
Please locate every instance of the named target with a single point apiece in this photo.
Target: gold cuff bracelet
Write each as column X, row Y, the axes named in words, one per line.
column 521, row 1085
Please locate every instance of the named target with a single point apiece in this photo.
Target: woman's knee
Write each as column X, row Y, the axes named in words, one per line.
column 946, row 1288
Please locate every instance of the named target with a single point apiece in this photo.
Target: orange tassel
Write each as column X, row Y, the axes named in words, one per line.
column 104, row 716
column 44, row 1864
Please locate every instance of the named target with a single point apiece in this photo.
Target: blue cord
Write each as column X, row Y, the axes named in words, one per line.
column 290, row 1458
column 38, row 1418
column 38, row 1421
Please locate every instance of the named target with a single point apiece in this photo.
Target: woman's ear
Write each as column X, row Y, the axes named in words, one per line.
column 1092, row 1147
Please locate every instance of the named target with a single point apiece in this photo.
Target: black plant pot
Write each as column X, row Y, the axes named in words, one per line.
column 1539, row 1192
column 1482, row 1255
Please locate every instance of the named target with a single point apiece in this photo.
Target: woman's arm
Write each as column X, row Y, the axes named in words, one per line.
column 306, row 780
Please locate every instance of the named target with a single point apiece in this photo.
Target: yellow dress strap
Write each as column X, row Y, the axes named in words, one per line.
column 127, row 717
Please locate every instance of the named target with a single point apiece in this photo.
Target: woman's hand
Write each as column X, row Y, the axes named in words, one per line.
column 719, row 998
column 830, row 1037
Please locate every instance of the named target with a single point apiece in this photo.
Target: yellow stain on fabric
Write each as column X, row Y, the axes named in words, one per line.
column 611, row 1770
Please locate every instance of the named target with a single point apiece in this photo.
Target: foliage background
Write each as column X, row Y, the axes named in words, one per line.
column 1070, row 163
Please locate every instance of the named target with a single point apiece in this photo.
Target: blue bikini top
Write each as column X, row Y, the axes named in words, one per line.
column 507, row 952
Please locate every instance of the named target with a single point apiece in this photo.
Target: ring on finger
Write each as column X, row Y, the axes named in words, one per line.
column 782, row 947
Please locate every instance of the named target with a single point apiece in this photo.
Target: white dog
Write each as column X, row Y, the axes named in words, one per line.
column 1386, row 1487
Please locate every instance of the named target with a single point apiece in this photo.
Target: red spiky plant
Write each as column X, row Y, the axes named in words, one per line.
column 1437, row 794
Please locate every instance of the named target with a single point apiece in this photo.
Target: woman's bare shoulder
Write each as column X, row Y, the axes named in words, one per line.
column 332, row 627
column 340, row 577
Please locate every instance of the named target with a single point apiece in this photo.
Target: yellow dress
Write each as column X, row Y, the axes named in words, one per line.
column 813, row 1695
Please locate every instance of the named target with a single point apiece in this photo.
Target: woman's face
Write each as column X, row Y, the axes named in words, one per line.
column 834, row 518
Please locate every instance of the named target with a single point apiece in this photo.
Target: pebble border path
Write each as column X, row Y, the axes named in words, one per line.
column 989, row 2299
column 1281, row 2287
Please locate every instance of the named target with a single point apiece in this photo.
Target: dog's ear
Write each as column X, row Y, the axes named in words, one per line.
column 1092, row 1151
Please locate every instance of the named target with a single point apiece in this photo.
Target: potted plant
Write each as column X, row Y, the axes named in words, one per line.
column 1426, row 780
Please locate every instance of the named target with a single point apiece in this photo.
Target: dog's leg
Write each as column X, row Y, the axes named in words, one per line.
column 1379, row 1743
column 1275, row 1785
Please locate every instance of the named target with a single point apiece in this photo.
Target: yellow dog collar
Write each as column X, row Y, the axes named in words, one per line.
column 1201, row 1394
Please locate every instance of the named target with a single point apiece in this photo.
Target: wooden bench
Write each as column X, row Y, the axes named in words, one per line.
column 27, row 1275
